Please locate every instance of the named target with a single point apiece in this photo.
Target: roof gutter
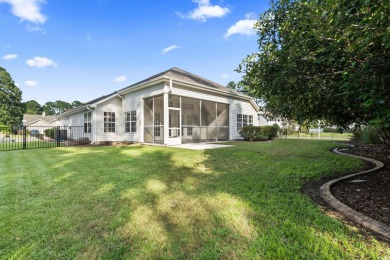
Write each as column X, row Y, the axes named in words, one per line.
column 123, row 103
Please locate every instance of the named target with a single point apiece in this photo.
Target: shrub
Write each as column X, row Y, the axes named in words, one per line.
column 259, row 133
column 49, row 132
column 83, row 140
column 250, row 132
column 329, row 130
column 270, row 131
column 371, row 135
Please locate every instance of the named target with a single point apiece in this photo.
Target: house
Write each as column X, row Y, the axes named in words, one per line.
column 38, row 120
column 169, row 108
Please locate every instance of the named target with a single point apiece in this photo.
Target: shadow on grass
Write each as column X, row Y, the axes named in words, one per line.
column 157, row 202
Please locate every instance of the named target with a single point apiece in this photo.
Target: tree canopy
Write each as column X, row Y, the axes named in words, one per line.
column 323, row 60
column 33, row 107
column 11, row 107
column 59, row 106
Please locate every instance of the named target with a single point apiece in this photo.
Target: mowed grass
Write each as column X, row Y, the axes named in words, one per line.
column 156, row 202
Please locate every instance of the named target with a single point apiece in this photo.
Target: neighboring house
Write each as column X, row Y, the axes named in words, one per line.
column 39, row 120
column 169, row 108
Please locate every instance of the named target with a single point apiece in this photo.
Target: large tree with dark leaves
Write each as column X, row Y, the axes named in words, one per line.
column 323, row 60
column 11, row 106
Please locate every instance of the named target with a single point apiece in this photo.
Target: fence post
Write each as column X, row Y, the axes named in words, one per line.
column 24, row 138
column 58, row 136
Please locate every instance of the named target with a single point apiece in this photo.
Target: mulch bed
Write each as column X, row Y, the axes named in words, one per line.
column 368, row 193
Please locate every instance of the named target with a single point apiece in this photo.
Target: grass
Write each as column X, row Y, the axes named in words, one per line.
column 158, row 202
column 323, row 136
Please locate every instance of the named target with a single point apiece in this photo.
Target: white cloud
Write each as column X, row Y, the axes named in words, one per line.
column 28, row 10
column 205, row 11
column 244, row 27
column 35, row 28
column 30, row 83
column 41, row 62
column 120, row 79
column 169, row 48
column 225, row 76
column 10, row 57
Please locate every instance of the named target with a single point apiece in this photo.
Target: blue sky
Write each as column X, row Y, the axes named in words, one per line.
column 83, row 49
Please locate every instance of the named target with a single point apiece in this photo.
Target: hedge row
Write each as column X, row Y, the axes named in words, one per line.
column 259, row 133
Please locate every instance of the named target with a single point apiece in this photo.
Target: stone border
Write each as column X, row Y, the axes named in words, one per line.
column 350, row 213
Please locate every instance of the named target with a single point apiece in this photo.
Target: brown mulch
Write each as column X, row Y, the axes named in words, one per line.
column 370, row 195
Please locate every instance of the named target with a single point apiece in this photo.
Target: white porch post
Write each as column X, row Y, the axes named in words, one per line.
column 166, row 116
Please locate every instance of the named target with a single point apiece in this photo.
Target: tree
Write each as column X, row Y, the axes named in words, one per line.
column 33, row 107
column 11, row 107
column 76, row 103
column 232, row 85
column 323, row 60
column 243, row 88
column 49, row 108
column 61, row 106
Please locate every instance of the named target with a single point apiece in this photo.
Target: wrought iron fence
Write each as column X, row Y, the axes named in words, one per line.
column 29, row 137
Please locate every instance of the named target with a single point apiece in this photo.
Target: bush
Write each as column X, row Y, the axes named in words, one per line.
column 259, row 133
column 329, row 130
column 49, row 132
column 249, row 132
column 270, row 131
column 83, row 140
column 371, row 135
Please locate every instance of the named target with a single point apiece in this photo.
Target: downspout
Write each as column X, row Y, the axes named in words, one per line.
column 123, row 132
column 94, row 125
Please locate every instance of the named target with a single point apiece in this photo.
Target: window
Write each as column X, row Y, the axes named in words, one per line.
column 239, row 122
column 87, row 122
column 133, row 121
column 109, row 122
column 243, row 120
column 157, row 122
column 127, row 122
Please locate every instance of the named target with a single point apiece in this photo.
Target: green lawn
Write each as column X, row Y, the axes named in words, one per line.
column 158, row 202
column 323, row 136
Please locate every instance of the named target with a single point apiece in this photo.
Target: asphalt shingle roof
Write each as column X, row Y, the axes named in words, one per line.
column 33, row 118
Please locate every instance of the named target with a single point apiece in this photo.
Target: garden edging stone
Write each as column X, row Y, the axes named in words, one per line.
column 350, row 213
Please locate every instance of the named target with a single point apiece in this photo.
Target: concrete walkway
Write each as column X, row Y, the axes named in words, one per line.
column 201, row 146
column 350, row 213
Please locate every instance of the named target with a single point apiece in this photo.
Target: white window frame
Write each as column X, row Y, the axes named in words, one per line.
column 133, row 121
column 244, row 120
column 109, row 122
column 87, row 122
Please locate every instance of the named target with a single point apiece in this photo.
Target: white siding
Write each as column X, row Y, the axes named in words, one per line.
column 111, row 105
column 236, row 106
column 77, row 121
column 133, row 101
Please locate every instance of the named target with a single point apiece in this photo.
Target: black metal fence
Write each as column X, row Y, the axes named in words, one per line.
column 29, row 137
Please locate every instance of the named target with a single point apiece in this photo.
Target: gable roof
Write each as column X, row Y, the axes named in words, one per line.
column 34, row 118
column 175, row 74
column 185, row 76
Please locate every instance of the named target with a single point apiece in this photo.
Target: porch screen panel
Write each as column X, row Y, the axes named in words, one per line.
column 174, row 101
column 222, row 122
column 148, row 120
column 190, row 110
column 158, row 129
column 208, row 121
